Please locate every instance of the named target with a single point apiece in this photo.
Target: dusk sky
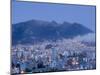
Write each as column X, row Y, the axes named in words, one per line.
column 24, row 11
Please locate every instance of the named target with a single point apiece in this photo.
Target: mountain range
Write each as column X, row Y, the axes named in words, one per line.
column 37, row 30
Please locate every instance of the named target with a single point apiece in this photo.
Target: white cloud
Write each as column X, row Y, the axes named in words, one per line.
column 88, row 37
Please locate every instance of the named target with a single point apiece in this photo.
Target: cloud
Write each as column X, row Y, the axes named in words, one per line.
column 89, row 37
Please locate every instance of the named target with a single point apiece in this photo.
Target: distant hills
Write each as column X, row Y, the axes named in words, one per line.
column 38, row 30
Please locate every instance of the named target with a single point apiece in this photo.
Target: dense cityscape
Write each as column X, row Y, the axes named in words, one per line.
column 50, row 56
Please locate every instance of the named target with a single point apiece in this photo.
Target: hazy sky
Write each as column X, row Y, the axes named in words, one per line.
column 23, row 11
